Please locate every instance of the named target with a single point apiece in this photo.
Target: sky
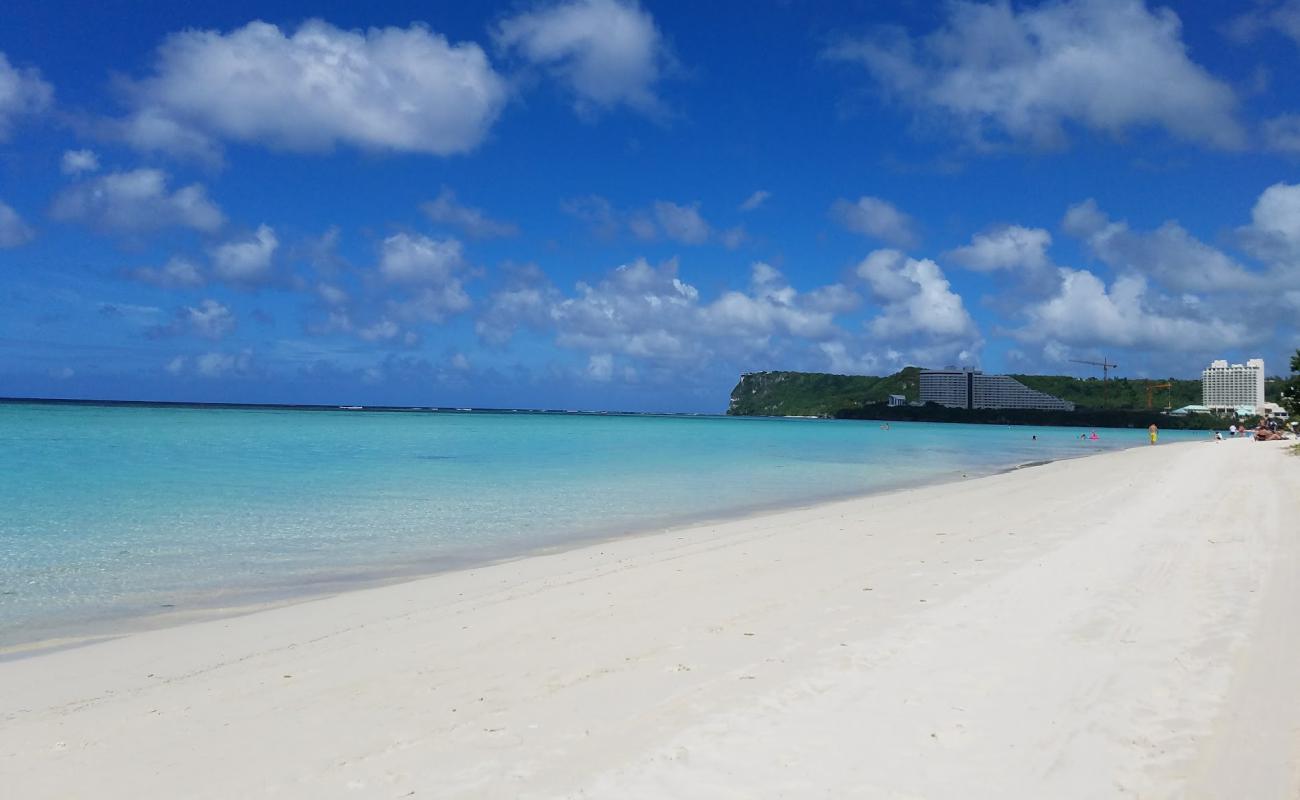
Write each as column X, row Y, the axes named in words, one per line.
column 611, row 204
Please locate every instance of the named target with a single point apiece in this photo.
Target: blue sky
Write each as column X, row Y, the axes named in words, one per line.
column 607, row 204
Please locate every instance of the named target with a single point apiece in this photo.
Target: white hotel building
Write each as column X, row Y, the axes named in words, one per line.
column 1227, row 388
column 971, row 388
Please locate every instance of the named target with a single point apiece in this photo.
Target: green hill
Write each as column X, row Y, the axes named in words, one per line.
column 1117, row 393
column 816, row 394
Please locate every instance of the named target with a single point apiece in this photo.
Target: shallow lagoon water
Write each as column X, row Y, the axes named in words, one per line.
column 108, row 513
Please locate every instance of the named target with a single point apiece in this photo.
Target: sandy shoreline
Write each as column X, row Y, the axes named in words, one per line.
column 1120, row 625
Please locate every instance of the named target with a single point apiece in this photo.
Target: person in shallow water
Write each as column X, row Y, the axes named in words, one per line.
column 1153, row 432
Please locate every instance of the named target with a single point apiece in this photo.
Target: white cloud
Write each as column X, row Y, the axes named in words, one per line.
column 607, row 52
column 646, row 312
column 755, row 200
column 432, row 304
column 404, row 258
column 596, row 212
column 871, row 216
column 177, row 273
column 1169, row 254
column 176, row 366
column 1026, row 73
column 209, row 319
column 217, row 365
column 1267, row 17
column 525, row 300
column 843, row 361
column 1011, row 247
column 76, row 162
column 332, row 295
column 382, row 330
column 1085, row 312
column 679, row 222
column 1282, row 133
column 406, row 90
column 137, row 201
column 22, row 93
column 917, row 299
column 246, row 261
column 14, row 232
column 433, row 267
column 733, row 238
column 474, row 222
column 682, row 223
column 600, row 367
column 1274, row 230
column 151, row 130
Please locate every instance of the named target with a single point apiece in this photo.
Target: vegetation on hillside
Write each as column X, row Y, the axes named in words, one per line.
column 816, row 394
column 1117, row 392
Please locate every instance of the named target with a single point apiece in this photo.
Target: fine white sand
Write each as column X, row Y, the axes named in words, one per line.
column 1125, row 625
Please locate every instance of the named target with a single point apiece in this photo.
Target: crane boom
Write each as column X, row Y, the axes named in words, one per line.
column 1106, row 367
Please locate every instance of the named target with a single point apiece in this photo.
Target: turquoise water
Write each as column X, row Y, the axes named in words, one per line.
column 109, row 513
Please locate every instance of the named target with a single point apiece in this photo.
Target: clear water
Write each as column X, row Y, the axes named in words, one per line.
column 110, row 513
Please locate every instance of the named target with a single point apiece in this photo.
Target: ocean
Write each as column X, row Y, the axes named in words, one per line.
column 113, row 515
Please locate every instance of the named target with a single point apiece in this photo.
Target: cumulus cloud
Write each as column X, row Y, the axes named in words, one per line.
column 445, row 210
column 1011, row 247
column 524, row 300
column 600, row 367
column 177, row 273
column 76, row 162
column 14, row 232
column 382, row 330
column 136, row 201
column 1274, row 230
column 22, row 93
column 1028, row 73
column 647, row 312
column 1282, row 133
column 209, row 319
column 733, row 237
column 871, row 216
column 1169, row 254
column 218, row 365
column 404, row 258
column 679, row 222
column 755, row 200
column 682, row 223
column 394, row 89
column 608, row 53
column 433, row 268
column 1088, row 313
column 917, row 300
column 246, row 261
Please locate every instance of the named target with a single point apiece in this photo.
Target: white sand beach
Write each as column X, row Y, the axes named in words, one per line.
column 1124, row 625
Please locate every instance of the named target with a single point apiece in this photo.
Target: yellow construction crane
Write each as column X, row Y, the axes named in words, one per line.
column 1151, row 387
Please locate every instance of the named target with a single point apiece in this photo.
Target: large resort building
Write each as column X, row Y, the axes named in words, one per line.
column 971, row 388
column 1233, row 388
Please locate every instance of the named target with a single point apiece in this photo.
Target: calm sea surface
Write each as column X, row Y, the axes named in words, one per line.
column 110, row 513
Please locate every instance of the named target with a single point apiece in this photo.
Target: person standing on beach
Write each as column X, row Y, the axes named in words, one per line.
column 1153, row 431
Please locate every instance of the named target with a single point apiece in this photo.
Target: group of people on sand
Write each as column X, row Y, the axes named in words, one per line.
column 1268, row 430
